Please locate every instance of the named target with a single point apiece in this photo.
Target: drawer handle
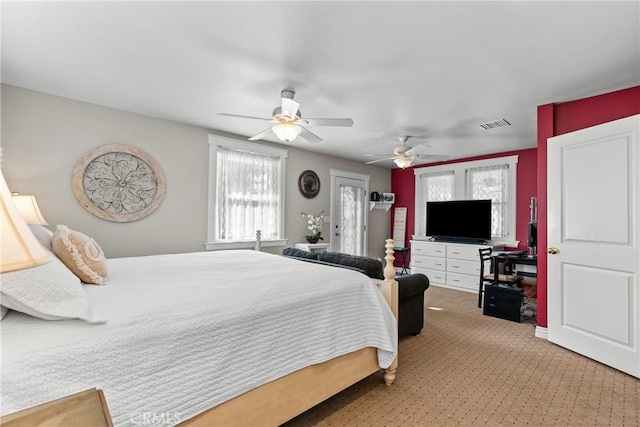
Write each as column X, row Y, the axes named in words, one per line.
column 455, row 253
column 438, row 264
column 455, row 280
column 455, row 266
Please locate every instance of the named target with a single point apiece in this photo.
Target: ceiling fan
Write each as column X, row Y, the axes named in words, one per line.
column 404, row 156
column 289, row 122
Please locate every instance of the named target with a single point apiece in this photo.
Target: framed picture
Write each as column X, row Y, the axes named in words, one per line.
column 389, row 197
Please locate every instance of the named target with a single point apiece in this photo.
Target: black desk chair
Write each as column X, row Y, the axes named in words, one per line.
column 490, row 278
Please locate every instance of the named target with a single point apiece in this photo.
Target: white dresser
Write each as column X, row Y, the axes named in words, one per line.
column 451, row 265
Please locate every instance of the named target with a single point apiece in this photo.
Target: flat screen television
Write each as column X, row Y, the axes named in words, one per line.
column 459, row 220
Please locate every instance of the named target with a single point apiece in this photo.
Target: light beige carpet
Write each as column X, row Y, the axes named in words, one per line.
column 470, row 369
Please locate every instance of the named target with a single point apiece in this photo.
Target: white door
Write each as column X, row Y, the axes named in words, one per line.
column 594, row 237
column 349, row 215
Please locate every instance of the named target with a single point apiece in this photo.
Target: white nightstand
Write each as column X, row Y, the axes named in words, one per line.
column 313, row 247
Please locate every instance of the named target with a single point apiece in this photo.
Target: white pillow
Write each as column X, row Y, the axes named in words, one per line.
column 42, row 234
column 50, row 291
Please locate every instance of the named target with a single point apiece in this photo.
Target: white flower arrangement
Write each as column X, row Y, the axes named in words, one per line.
column 314, row 221
column 314, row 224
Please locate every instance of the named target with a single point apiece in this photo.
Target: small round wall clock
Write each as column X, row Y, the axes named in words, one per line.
column 118, row 183
column 309, row 184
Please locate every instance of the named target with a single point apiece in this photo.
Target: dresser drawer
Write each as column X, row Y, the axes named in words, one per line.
column 429, row 249
column 464, row 267
column 462, row 281
column 430, row 262
column 469, row 252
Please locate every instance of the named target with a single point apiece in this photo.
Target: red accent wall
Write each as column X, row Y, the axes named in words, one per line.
column 545, row 130
column 403, row 185
column 558, row 119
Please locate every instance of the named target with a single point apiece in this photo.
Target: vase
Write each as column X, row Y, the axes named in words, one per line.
column 314, row 238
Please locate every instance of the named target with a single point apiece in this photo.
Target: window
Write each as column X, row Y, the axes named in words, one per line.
column 438, row 186
column 246, row 194
column 352, row 224
column 493, row 179
column 492, row 182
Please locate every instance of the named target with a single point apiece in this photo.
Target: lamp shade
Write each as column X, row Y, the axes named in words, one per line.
column 286, row 132
column 28, row 208
column 404, row 161
column 19, row 248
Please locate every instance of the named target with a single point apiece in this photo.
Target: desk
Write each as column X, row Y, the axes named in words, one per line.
column 403, row 252
column 509, row 260
column 512, row 259
column 506, row 302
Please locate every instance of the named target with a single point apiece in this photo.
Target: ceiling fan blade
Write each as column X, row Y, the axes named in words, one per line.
column 379, row 155
column 418, row 149
column 290, row 107
column 379, row 160
column 329, row 122
column 246, row 117
column 309, row 136
column 260, row 135
column 435, row 157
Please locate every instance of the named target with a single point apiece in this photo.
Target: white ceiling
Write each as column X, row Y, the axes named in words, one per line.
column 434, row 70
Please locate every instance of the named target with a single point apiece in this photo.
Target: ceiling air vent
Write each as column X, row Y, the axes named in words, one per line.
column 495, row 124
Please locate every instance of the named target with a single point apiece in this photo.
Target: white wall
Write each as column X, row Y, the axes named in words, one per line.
column 44, row 135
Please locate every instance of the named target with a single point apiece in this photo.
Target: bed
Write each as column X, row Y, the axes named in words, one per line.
column 210, row 338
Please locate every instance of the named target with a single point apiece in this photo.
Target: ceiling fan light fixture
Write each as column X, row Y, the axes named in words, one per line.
column 286, row 132
column 403, row 161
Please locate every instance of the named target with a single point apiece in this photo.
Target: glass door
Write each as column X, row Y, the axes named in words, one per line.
column 349, row 215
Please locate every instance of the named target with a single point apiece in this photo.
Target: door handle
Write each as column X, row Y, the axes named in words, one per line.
column 552, row 250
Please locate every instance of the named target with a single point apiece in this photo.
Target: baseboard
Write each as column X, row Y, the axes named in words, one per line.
column 541, row 332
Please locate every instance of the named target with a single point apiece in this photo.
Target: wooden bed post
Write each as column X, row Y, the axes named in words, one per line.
column 390, row 291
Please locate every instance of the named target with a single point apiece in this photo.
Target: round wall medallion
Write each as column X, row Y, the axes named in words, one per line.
column 118, row 183
column 309, row 184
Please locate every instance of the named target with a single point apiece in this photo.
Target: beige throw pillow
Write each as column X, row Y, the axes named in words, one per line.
column 81, row 254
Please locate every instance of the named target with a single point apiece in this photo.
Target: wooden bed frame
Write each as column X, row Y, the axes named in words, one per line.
column 280, row 400
column 271, row 404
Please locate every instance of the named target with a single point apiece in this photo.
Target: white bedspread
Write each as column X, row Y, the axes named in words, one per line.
column 186, row 332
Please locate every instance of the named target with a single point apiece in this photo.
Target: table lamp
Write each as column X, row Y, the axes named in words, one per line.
column 19, row 248
column 29, row 209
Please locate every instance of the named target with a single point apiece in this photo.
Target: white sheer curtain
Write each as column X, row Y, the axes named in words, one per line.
column 352, row 221
column 492, row 182
column 437, row 186
column 248, row 195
